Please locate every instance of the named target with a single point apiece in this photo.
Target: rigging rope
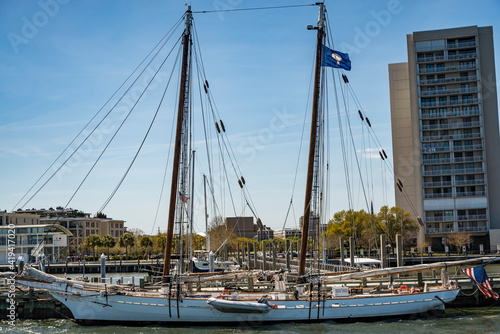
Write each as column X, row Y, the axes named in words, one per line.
column 97, row 126
column 99, row 111
column 143, row 140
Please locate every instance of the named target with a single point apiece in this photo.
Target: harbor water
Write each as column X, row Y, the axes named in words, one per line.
column 470, row 320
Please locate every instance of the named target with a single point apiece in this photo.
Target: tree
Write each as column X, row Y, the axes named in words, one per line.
column 393, row 221
column 146, row 242
column 127, row 240
column 346, row 224
column 100, row 215
column 108, row 242
column 460, row 239
column 92, row 242
column 161, row 242
column 219, row 234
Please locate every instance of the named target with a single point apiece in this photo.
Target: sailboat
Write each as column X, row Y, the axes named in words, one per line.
column 311, row 300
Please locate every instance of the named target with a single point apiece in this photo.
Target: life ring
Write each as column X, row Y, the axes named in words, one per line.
column 403, row 287
column 274, row 307
column 415, row 290
column 225, row 294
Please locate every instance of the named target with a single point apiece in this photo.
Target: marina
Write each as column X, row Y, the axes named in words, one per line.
column 429, row 263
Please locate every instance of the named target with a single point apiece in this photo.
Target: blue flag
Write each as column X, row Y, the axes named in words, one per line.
column 335, row 59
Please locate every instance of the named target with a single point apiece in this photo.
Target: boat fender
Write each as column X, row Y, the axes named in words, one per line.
column 274, row 307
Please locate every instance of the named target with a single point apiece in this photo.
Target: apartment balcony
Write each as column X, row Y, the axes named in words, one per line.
column 448, row 80
column 436, row 161
column 469, row 182
column 444, row 58
column 452, row 171
column 440, row 184
column 431, row 230
column 451, row 125
column 449, row 91
column 468, row 171
column 471, row 217
column 435, row 149
column 449, row 114
column 436, row 172
column 447, row 103
column 447, row 69
column 434, row 196
column 438, row 219
column 473, row 229
column 469, row 159
column 460, row 45
column 437, row 184
column 452, row 137
column 471, row 194
column 468, row 147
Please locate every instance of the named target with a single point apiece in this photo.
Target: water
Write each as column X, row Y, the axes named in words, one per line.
column 470, row 320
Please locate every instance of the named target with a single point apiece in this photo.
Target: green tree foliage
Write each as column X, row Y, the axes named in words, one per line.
column 108, row 242
column 366, row 228
column 161, row 241
column 127, row 240
column 147, row 243
column 92, row 242
column 101, row 215
column 393, row 221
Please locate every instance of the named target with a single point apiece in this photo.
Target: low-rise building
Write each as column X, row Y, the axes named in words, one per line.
column 17, row 218
column 288, row 233
column 79, row 223
column 22, row 239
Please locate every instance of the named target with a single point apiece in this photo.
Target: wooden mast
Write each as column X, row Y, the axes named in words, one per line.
column 312, row 143
column 186, row 42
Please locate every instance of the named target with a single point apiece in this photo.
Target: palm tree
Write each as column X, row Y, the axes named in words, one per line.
column 92, row 242
column 161, row 242
column 146, row 242
column 108, row 242
column 127, row 240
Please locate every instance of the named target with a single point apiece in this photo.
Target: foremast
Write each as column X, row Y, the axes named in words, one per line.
column 313, row 141
column 182, row 109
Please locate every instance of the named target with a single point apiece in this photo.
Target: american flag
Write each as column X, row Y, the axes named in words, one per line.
column 479, row 276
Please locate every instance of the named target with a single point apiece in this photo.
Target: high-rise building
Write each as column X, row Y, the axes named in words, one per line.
column 445, row 135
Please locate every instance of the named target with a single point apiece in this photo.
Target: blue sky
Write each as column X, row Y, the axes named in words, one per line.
column 62, row 60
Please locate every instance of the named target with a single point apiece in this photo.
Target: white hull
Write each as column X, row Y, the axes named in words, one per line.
column 93, row 307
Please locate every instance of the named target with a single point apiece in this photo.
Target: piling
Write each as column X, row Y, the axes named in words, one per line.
column 342, row 260
column 351, row 251
column 383, row 252
column 399, row 249
column 264, row 253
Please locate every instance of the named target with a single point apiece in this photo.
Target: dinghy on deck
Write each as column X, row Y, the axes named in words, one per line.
column 238, row 306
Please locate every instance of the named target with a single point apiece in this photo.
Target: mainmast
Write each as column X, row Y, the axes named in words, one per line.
column 313, row 140
column 183, row 107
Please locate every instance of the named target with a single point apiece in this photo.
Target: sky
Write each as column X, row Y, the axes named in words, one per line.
column 61, row 60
